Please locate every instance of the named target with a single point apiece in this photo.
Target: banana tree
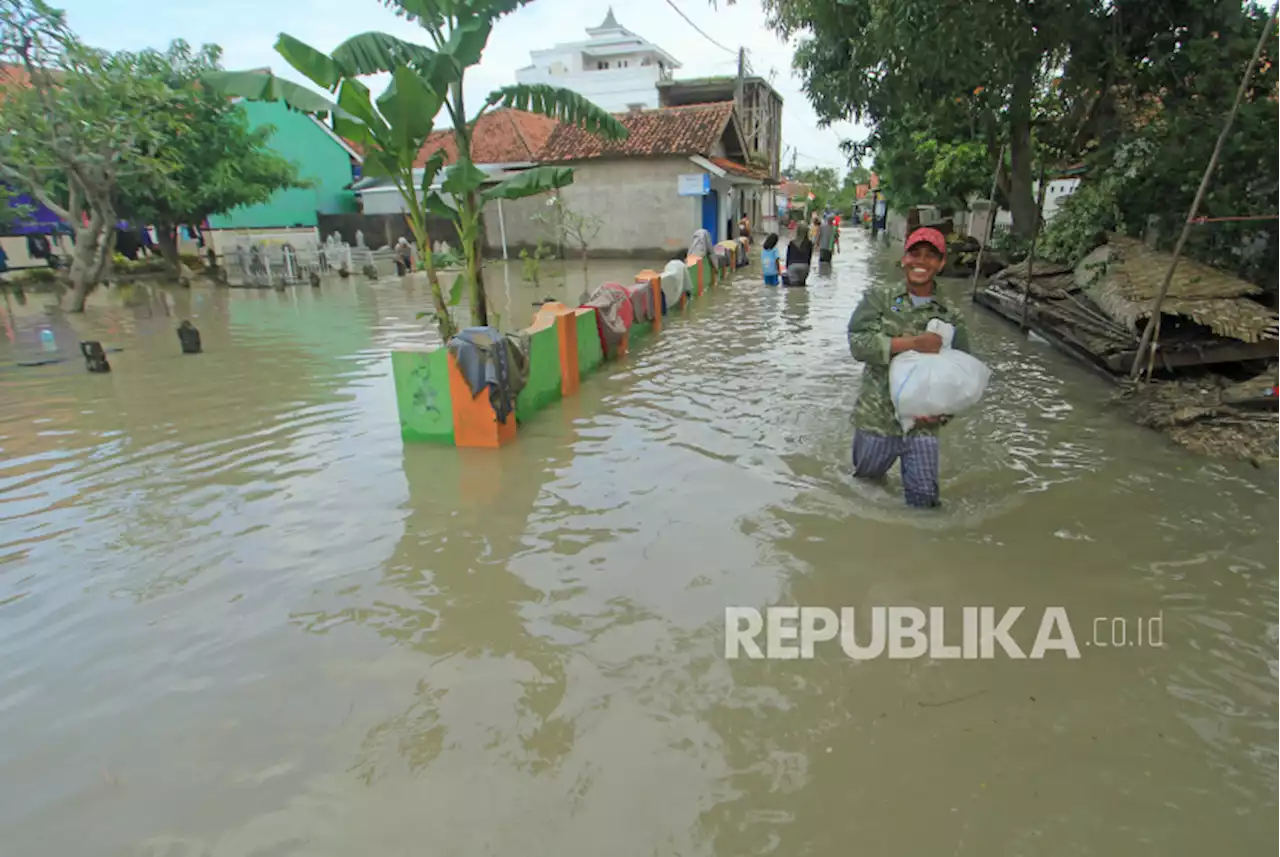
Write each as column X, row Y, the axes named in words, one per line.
column 459, row 31
column 424, row 80
column 389, row 131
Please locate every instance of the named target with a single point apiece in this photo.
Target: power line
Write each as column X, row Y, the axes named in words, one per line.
column 699, row 29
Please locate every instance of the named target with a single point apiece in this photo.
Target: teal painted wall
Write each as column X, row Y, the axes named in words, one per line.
column 318, row 157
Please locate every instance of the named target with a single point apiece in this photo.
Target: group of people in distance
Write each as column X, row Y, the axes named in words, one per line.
column 793, row 271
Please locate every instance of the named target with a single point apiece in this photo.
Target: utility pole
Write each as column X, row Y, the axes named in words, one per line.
column 742, row 73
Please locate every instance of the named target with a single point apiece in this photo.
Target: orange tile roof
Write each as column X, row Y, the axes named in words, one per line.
column 12, row 76
column 739, row 169
column 690, row 130
column 500, row 137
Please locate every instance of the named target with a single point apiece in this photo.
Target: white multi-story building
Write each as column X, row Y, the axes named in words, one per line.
column 615, row 69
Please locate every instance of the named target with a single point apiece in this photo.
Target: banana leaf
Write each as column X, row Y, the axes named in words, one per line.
column 463, row 177
column 430, row 170
column 265, row 86
column 561, row 104
column 467, row 41
column 529, row 183
column 319, row 68
column 354, row 98
column 373, row 53
column 436, row 205
column 410, row 105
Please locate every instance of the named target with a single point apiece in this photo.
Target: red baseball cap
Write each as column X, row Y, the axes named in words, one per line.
column 927, row 235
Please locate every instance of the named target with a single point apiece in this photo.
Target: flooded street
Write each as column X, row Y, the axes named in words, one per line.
column 239, row 616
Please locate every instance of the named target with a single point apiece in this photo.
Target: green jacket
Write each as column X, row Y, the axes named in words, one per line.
column 884, row 313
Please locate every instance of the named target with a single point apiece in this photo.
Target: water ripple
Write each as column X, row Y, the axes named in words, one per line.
column 239, row 615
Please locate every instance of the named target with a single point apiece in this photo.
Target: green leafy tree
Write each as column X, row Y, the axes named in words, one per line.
column 79, row 121
column 11, row 212
column 1178, row 69
column 425, row 80
column 823, row 183
column 922, row 169
column 219, row 163
column 847, row 197
column 979, row 73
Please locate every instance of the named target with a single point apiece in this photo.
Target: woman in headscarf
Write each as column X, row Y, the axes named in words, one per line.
column 799, row 257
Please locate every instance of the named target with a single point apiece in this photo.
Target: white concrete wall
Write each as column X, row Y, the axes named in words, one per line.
column 514, row 217
column 1054, row 195
column 387, row 201
column 638, row 200
column 612, row 89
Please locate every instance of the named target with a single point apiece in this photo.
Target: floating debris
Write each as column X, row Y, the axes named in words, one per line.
column 1211, row 415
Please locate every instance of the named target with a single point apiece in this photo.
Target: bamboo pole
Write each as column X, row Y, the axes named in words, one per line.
column 1153, row 320
column 1035, row 236
column 991, row 223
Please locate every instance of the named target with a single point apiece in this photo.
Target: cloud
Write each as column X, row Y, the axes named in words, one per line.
column 247, row 29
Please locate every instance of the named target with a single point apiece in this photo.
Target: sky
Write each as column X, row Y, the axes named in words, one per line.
column 247, row 29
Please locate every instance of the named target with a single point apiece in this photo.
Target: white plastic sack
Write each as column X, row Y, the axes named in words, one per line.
column 930, row 385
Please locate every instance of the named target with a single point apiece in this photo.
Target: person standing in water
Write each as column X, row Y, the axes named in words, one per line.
column 826, row 239
column 769, row 259
column 799, row 257
column 404, row 257
column 888, row 321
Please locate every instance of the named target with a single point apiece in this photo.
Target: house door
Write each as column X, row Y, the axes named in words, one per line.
column 711, row 214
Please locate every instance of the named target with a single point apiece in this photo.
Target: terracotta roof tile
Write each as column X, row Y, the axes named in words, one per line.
column 691, row 130
column 739, row 169
column 500, row 137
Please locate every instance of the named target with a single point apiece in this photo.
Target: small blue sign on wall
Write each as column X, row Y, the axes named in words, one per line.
column 695, row 184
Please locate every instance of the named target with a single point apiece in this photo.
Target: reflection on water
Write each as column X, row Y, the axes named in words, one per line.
column 238, row 616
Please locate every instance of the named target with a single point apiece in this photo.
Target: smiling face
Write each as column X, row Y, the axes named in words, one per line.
column 922, row 262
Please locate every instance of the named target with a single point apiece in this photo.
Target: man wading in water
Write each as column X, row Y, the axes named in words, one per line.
column 888, row 321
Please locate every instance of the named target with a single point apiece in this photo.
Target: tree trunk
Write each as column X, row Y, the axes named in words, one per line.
column 167, row 239
column 92, row 251
column 473, row 245
column 102, row 260
column 1022, row 201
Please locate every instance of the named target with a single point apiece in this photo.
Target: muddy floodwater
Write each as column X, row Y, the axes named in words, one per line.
column 239, row 616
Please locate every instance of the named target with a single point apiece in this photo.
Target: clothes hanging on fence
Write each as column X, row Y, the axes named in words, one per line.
column 614, row 314
column 675, row 282
column 486, row 358
column 701, row 244
column 642, row 308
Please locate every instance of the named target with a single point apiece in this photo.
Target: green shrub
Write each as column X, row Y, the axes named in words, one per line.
column 34, row 276
column 154, row 265
column 446, row 258
column 1081, row 221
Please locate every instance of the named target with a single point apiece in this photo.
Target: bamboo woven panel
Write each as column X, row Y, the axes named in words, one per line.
column 1123, row 278
column 1146, row 269
column 1235, row 318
